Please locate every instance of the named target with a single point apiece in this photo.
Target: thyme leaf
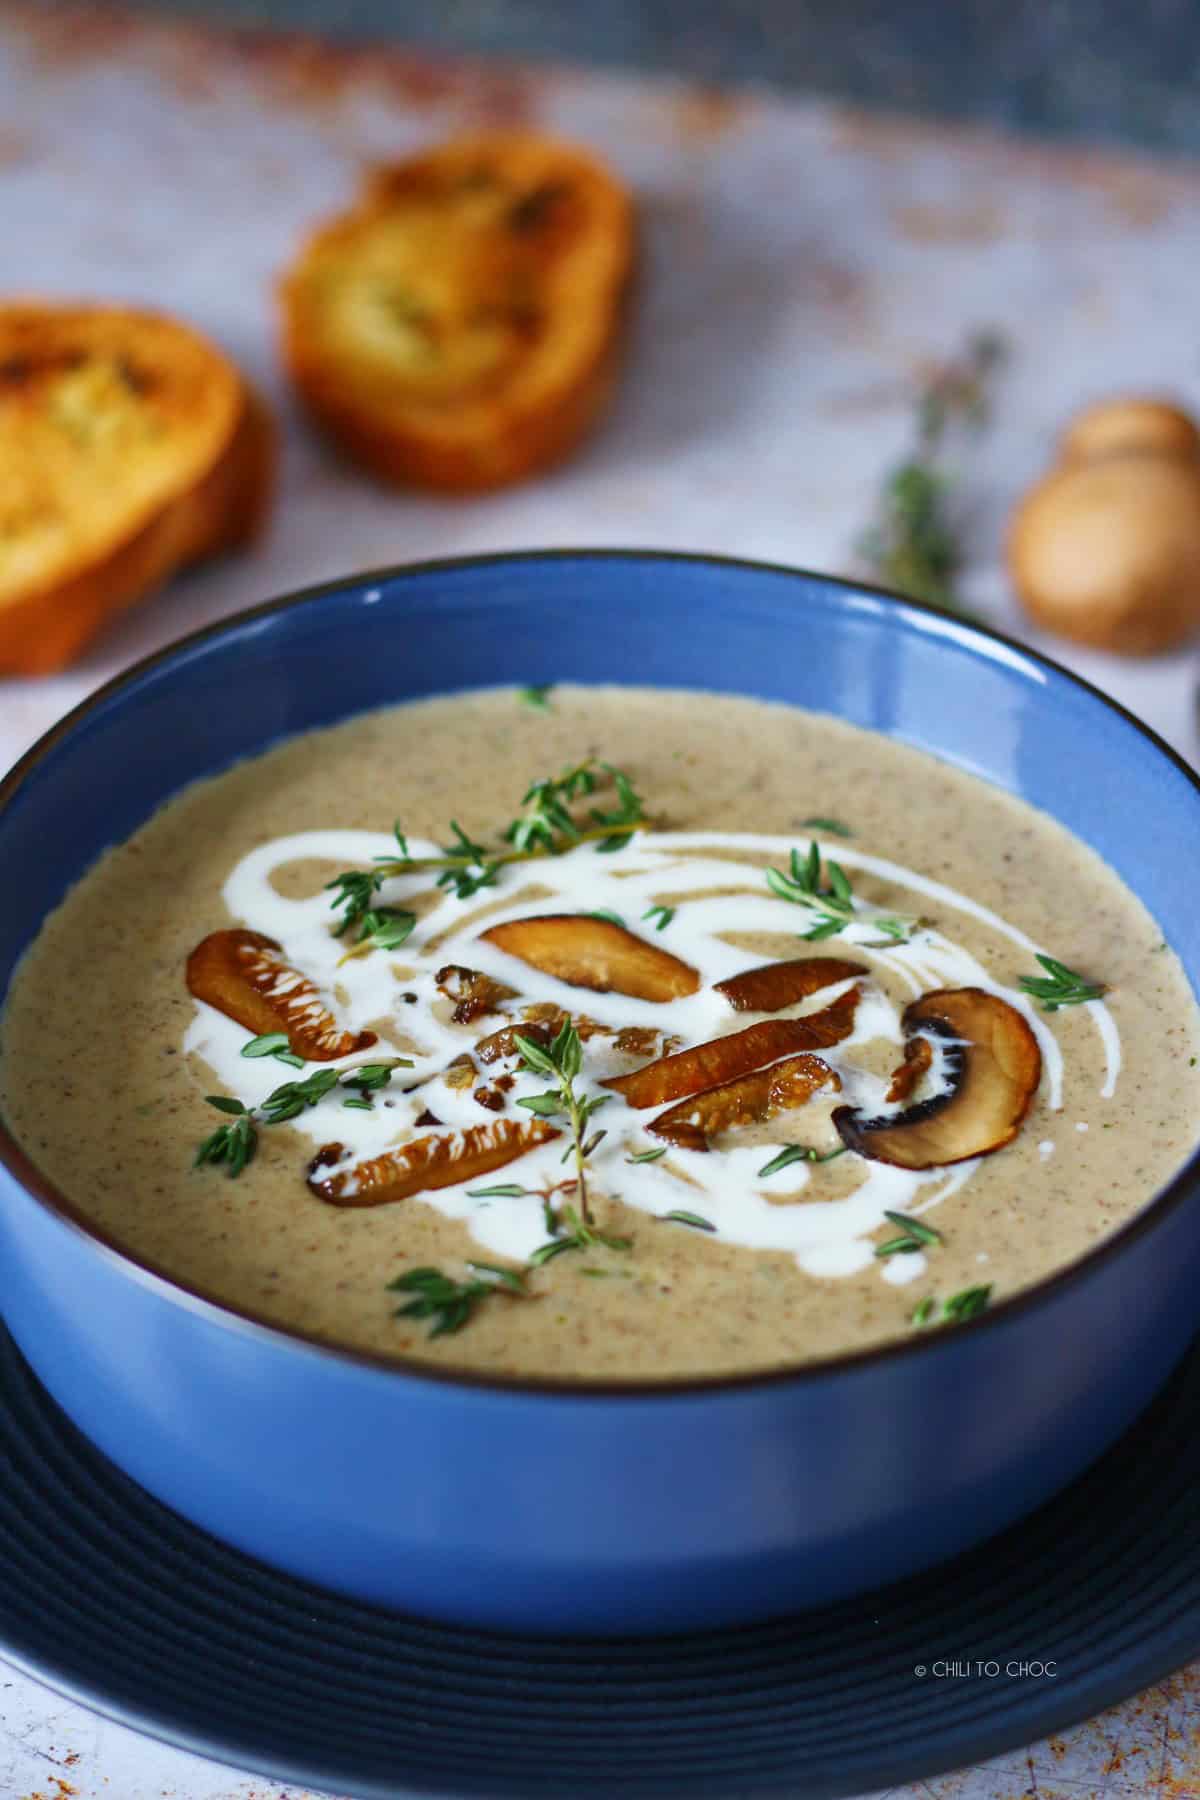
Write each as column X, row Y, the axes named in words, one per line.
column 451, row 1303
column 276, row 1044
column 369, row 1078
column 914, row 1235
column 662, row 915
column 967, row 1305
column 233, row 1144
column 536, row 697
column 570, row 1230
column 913, row 543
column 687, row 1218
column 793, row 1153
column 1061, row 986
column 833, row 905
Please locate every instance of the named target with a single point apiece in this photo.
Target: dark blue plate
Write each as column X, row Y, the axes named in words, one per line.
column 114, row 1600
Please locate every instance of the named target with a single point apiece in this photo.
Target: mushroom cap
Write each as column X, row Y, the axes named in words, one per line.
column 1130, row 423
column 1107, row 552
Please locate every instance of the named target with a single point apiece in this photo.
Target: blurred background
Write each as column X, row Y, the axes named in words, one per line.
column 1077, row 68
column 886, row 253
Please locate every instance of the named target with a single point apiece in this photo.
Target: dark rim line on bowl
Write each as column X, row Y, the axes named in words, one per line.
column 19, row 1165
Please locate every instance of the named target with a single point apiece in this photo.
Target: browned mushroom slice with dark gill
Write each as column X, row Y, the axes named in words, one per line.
column 243, row 974
column 751, row 1100
column 726, row 1058
column 473, row 993
column 994, row 1066
column 774, row 985
column 426, row 1162
column 594, row 953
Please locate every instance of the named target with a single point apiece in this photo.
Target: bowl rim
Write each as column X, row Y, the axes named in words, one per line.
column 979, row 639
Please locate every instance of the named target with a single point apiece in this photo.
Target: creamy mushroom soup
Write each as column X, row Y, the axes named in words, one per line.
column 602, row 1033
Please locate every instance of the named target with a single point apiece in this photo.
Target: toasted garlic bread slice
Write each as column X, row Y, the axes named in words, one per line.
column 129, row 446
column 458, row 328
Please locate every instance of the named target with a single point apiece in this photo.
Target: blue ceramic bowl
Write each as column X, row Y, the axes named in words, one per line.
column 617, row 1509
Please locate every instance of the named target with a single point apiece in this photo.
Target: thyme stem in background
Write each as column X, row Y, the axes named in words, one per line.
column 913, row 544
column 1061, row 986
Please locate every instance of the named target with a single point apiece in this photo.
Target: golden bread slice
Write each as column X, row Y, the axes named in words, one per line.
column 459, row 327
column 129, row 446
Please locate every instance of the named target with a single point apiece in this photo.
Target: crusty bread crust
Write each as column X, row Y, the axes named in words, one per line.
column 180, row 468
column 459, row 328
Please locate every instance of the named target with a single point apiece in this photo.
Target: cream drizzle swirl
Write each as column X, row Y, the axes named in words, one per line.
column 828, row 1237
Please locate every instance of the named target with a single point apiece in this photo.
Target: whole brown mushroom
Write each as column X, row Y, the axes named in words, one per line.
column 1132, row 424
column 1106, row 548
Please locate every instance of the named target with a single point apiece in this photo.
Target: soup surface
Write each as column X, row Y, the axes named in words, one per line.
column 580, row 1146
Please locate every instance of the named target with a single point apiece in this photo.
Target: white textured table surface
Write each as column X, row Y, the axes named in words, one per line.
column 802, row 265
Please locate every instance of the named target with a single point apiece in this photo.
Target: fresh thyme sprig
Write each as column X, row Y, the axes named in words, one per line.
column 1061, row 986
column 569, row 1231
column 562, row 1060
column 914, row 1235
column 235, row 1144
column 834, row 905
column 545, row 826
column 447, row 1302
column 913, row 543
column 545, row 820
column 793, row 1153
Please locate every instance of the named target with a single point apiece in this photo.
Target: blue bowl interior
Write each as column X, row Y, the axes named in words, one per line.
column 973, row 699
